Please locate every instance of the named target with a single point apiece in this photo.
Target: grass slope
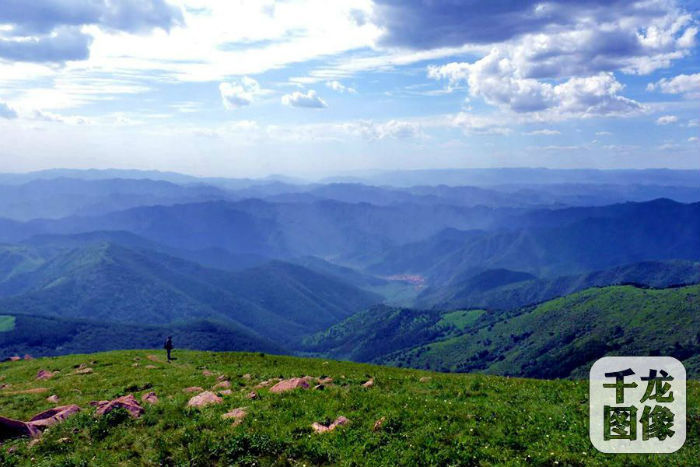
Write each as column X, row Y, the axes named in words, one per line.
column 562, row 337
column 447, row 419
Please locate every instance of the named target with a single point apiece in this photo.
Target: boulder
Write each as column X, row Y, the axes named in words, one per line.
column 193, row 389
column 44, row 375
column 204, row 399
column 325, row 381
column 14, row 358
column 207, row 373
column 53, row 416
column 221, row 377
column 225, row 392
column 127, row 402
column 150, row 397
column 53, row 399
column 289, row 385
column 10, row 428
column 321, row 428
column 222, row 385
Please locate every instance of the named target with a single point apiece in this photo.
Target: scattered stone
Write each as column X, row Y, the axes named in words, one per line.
column 203, row 399
column 135, row 365
column 53, row 399
column 150, row 397
column 44, row 375
column 10, row 428
column 84, row 371
column 247, row 376
column 321, row 428
column 222, row 385
column 14, row 358
column 225, row 392
column 4, row 386
column 150, row 367
column 127, row 402
column 425, row 379
column 325, row 380
column 369, row 383
column 28, row 357
column 221, row 378
column 238, row 413
column 207, row 373
column 378, row 424
column 289, row 385
column 252, row 395
column 193, row 389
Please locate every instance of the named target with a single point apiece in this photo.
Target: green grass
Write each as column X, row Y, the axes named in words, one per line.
column 449, row 419
column 461, row 319
column 7, row 323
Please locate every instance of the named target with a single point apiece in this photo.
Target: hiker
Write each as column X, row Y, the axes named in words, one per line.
column 168, row 346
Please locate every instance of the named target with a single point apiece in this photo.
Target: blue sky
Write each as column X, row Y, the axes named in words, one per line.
column 312, row 87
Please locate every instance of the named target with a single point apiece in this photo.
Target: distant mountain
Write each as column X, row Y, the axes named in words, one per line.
column 556, row 242
column 42, row 335
column 104, row 281
column 502, row 289
column 563, row 337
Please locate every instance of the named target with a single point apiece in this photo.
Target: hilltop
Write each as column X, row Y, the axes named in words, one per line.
column 428, row 418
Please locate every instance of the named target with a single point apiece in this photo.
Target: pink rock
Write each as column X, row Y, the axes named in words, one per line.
column 28, row 357
column 325, row 380
column 53, row 416
column 221, row 378
column 252, row 395
column 193, row 389
column 203, row 399
column 247, row 376
column 222, row 385
column 207, row 373
column 289, row 385
column 225, row 392
column 235, row 413
column 15, row 358
column 127, row 402
column 150, row 397
column 320, row 428
column 10, row 428
column 53, row 399
column 44, row 375
column 369, row 383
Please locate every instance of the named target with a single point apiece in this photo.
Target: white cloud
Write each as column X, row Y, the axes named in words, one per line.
column 340, row 87
column 239, row 93
column 603, row 133
column 397, row 129
column 309, row 100
column 543, row 132
column 6, row 111
column 693, row 139
column 693, row 123
column 666, row 120
column 688, row 85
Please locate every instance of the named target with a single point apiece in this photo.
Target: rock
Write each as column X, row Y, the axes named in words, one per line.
column 10, row 428
column 134, row 365
column 44, row 375
column 425, row 379
column 193, row 389
column 14, row 358
column 222, row 385
column 150, row 367
column 127, row 402
column 53, row 416
column 53, row 399
column 319, row 387
column 289, row 385
column 378, row 424
column 225, row 392
column 84, row 371
column 252, row 395
column 369, row 383
column 4, row 386
column 207, row 373
column 325, row 380
column 28, row 357
column 221, row 378
column 320, row 428
column 203, row 399
column 238, row 413
column 150, row 397
column 247, row 376
column 266, row 383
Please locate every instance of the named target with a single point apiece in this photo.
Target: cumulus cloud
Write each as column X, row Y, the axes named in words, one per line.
column 299, row 99
column 689, row 85
column 340, row 87
column 240, row 93
column 6, row 111
column 666, row 120
column 51, row 30
column 501, row 82
column 396, row 129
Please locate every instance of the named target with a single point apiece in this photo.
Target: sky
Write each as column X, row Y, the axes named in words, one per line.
column 315, row 87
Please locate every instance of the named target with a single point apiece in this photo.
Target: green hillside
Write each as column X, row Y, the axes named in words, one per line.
column 562, row 337
column 428, row 418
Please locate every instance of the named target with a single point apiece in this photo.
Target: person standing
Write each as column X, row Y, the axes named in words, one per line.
column 168, row 346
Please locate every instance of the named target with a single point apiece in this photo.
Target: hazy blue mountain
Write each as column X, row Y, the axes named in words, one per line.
column 104, row 281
